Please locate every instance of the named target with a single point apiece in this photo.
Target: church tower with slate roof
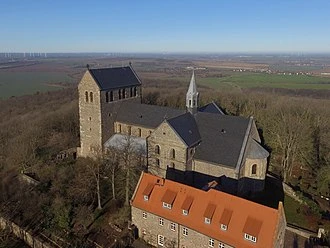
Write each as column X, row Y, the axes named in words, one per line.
column 101, row 94
column 192, row 97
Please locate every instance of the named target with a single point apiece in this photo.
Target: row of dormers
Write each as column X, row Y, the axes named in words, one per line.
column 168, row 200
column 215, row 214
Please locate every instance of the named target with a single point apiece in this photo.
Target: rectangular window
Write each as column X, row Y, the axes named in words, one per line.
column 221, row 245
column 161, row 240
column 185, row 212
column 166, row 205
column 161, row 221
column 223, row 227
column 173, row 226
column 250, row 238
column 211, row 242
column 207, row 221
column 185, row 231
column 144, row 215
column 146, row 198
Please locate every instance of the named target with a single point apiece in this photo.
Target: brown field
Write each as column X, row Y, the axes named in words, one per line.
column 231, row 65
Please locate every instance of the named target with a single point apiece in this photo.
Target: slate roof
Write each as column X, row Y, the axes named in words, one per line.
column 255, row 150
column 120, row 141
column 186, row 127
column 112, row 78
column 222, row 138
column 241, row 215
column 150, row 116
column 212, row 108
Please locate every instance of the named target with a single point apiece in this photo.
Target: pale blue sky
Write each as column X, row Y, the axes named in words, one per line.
column 165, row 26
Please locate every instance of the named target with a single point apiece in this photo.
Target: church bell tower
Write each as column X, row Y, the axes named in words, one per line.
column 192, row 96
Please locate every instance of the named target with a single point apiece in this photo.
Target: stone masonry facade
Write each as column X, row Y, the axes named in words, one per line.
column 151, row 226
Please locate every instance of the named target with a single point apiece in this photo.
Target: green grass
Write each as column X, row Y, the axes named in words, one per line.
column 22, row 83
column 292, row 215
column 252, row 80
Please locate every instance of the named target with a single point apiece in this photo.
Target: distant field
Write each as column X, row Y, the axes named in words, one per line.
column 22, row 83
column 253, row 80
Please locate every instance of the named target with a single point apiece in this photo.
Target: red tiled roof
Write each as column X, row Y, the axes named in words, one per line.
column 243, row 211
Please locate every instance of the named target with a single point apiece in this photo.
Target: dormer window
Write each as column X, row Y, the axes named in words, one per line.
column 250, row 238
column 225, row 219
column 166, row 205
column 208, row 214
column 207, row 221
column 186, row 205
column 168, row 199
column 252, row 229
column 147, row 191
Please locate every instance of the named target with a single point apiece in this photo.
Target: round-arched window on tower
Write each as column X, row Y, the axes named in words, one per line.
column 157, row 149
column 254, row 169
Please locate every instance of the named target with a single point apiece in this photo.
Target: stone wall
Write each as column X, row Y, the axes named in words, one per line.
column 124, row 128
column 280, row 228
column 29, row 238
column 213, row 169
column 149, row 228
column 166, row 139
column 261, row 168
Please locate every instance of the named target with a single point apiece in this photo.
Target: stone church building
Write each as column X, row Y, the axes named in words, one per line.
column 200, row 146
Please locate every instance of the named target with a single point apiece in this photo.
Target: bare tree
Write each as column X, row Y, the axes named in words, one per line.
column 290, row 131
column 112, row 166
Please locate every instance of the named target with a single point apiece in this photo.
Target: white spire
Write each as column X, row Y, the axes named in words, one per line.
column 192, row 96
column 192, row 86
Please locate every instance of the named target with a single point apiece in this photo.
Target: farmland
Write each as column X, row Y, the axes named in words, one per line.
column 22, row 83
column 224, row 73
column 254, row 80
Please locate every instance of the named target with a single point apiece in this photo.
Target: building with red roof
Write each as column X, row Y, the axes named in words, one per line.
column 170, row 214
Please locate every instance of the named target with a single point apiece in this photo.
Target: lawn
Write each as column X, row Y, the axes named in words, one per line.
column 293, row 214
column 22, row 83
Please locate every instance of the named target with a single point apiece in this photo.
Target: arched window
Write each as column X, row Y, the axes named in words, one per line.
column 135, row 91
column 131, row 92
column 86, row 96
column 119, row 94
column 124, row 93
column 254, row 169
column 91, row 96
column 139, row 132
column 111, row 96
column 172, row 153
column 157, row 149
column 106, row 96
column 119, row 128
